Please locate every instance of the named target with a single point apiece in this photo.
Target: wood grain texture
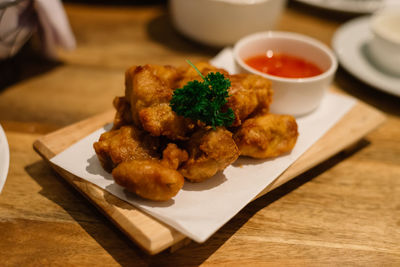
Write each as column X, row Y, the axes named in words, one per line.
column 154, row 236
column 344, row 211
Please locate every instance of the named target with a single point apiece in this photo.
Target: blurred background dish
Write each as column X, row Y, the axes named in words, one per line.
column 223, row 22
column 4, row 158
column 351, row 6
column 350, row 43
column 384, row 47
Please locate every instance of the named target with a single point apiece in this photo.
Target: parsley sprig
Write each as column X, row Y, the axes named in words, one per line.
column 204, row 100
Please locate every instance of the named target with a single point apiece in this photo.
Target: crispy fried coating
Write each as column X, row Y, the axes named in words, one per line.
column 151, row 178
column 147, row 86
column 125, row 144
column 267, row 136
column 249, row 94
column 210, row 151
column 187, row 73
column 163, row 76
column 149, row 90
column 173, row 156
column 148, row 179
column 160, row 120
column 123, row 115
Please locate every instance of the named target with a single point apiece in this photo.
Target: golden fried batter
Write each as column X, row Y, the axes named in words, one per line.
column 145, row 87
column 210, row 151
column 123, row 115
column 188, row 73
column 125, row 144
column 149, row 90
column 267, row 136
column 148, row 179
column 164, row 75
column 153, row 179
column 161, row 120
column 249, row 94
column 173, row 156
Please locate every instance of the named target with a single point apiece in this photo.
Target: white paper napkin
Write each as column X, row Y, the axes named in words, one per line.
column 200, row 209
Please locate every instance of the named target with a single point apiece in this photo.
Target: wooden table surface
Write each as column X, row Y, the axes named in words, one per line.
column 344, row 211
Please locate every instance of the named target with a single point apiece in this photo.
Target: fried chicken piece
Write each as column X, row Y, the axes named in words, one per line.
column 188, row 73
column 267, row 136
column 153, row 179
column 173, row 156
column 160, row 120
column 210, row 151
column 125, row 144
column 148, row 85
column 149, row 90
column 148, row 179
column 166, row 75
column 123, row 115
column 249, row 94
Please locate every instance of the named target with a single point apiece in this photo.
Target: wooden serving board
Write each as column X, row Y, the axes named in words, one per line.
column 154, row 236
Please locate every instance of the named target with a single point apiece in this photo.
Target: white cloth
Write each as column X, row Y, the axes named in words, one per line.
column 20, row 20
column 54, row 23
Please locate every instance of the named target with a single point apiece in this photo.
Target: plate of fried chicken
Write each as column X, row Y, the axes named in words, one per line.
column 194, row 166
column 151, row 150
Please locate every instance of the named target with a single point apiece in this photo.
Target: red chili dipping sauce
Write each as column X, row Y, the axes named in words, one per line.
column 283, row 65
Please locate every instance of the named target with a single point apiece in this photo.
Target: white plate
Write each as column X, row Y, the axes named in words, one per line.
column 353, row 6
column 4, row 158
column 350, row 43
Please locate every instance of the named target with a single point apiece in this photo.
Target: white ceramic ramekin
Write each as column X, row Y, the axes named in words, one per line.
column 294, row 96
column 223, row 22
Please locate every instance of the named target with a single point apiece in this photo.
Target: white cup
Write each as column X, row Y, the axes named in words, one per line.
column 384, row 46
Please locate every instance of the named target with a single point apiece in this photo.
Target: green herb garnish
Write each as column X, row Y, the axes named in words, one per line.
column 204, row 100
